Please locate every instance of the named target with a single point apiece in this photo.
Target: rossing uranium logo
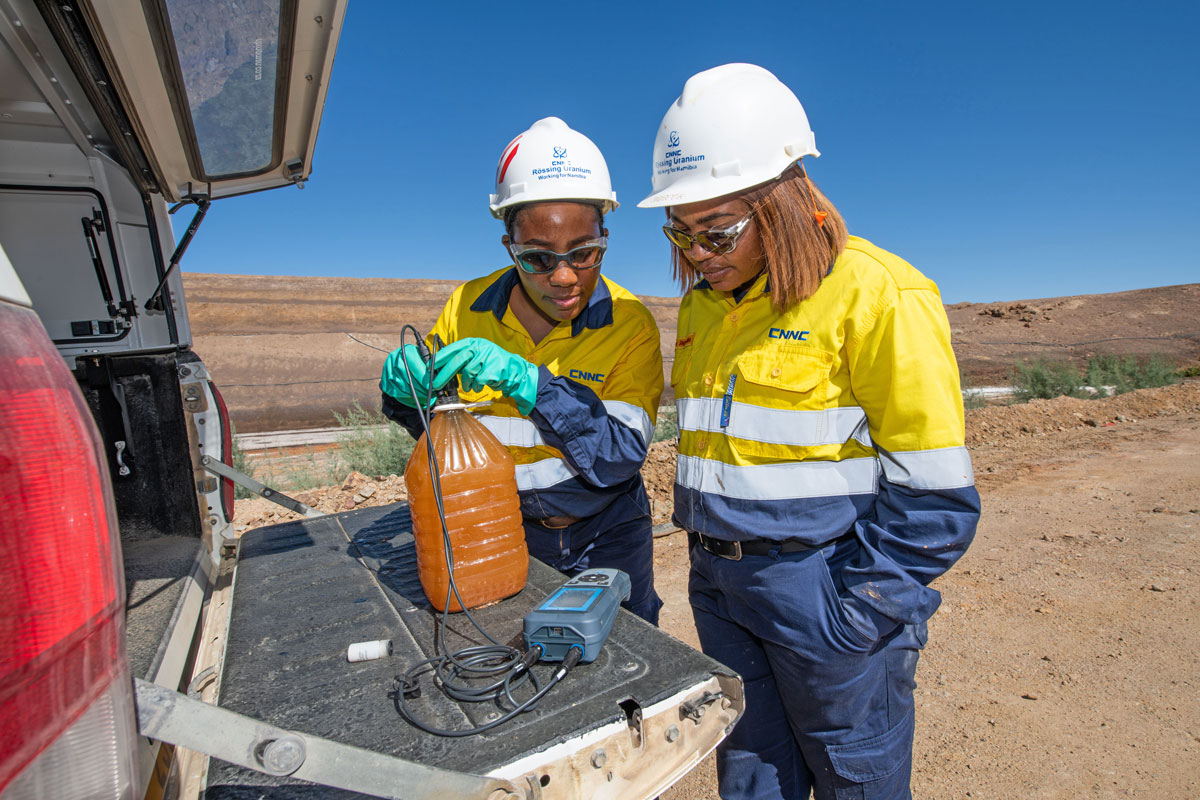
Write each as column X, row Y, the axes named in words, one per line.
column 560, row 152
column 673, row 159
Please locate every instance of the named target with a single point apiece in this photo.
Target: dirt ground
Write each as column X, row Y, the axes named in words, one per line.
column 1065, row 659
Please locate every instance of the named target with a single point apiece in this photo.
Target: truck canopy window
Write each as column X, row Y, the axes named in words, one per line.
column 228, row 57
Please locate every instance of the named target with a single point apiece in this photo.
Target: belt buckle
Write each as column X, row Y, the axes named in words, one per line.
column 717, row 546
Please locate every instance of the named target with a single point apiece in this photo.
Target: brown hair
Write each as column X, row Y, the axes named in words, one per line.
column 797, row 251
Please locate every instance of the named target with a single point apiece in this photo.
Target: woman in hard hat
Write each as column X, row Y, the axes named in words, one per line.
column 569, row 359
column 822, row 476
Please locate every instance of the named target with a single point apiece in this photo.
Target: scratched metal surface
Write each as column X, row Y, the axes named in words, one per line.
column 306, row 590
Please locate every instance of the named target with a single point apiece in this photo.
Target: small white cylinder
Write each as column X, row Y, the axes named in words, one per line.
column 368, row 651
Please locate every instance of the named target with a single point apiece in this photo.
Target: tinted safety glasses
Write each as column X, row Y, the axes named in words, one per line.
column 540, row 261
column 715, row 240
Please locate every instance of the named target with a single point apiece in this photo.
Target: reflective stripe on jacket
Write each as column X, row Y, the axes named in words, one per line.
column 842, row 413
column 600, row 382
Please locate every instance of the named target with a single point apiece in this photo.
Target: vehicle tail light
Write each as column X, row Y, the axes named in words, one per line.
column 67, row 725
column 226, row 452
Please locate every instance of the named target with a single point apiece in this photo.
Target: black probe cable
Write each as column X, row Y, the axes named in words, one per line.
column 473, row 662
column 435, row 478
column 435, row 475
column 573, row 656
column 481, row 661
column 447, row 550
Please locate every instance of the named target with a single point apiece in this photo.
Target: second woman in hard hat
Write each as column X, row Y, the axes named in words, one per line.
column 569, row 359
column 822, row 476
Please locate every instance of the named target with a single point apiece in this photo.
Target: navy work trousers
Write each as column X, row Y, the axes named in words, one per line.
column 619, row 537
column 828, row 709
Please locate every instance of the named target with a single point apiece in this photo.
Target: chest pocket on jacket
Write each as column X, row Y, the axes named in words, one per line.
column 784, row 376
column 683, row 358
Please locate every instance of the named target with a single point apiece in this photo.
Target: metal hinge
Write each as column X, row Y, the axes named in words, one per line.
column 241, row 479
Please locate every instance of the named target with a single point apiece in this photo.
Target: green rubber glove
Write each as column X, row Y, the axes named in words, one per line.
column 481, row 363
column 394, row 381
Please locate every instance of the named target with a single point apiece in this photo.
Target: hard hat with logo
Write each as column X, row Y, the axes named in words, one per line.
column 733, row 127
column 551, row 162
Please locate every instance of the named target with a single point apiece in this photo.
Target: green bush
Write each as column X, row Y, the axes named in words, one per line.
column 973, row 400
column 1124, row 374
column 290, row 473
column 310, row 474
column 372, row 444
column 241, row 462
column 972, row 397
column 1105, row 374
column 1044, row 378
column 667, row 426
column 1188, row 372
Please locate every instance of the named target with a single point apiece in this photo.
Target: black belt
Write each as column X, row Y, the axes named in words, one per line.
column 753, row 547
column 557, row 523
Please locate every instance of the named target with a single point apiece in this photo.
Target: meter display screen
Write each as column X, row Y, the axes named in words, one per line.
column 578, row 615
column 571, row 599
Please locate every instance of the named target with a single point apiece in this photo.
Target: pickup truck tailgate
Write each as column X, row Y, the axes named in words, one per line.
column 306, row 590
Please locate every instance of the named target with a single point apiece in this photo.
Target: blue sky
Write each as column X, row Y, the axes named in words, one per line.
column 1008, row 150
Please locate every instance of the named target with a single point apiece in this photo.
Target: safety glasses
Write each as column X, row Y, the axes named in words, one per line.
column 540, row 261
column 715, row 240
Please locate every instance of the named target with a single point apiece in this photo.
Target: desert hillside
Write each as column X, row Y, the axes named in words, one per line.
column 288, row 352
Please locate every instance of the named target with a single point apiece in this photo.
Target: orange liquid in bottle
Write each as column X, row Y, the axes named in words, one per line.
column 483, row 514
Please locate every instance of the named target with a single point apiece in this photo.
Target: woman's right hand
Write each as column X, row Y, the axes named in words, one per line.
column 405, row 374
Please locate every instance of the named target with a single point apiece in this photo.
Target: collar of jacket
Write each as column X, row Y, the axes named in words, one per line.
column 754, row 288
column 597, row 314
column 766, row 286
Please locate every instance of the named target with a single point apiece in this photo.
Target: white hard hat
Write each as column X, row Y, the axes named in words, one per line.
column 551, row 162
column 733, row 127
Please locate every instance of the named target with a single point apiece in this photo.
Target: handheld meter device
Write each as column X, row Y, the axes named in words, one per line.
column 579, row 613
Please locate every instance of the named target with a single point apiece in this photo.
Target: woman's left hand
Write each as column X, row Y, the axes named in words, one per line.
column 481, row 363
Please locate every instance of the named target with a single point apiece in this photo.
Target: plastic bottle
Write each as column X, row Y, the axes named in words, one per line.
column 483, row 514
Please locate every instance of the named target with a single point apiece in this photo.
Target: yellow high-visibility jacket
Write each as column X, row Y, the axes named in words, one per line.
column 842, row 414
column 600, row 382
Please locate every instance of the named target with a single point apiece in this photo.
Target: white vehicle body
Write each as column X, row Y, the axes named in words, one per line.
column 120, row 560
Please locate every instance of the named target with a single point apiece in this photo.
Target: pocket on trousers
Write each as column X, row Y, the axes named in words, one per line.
column 637, row 503
column 874, row 765
column 861, row 641
column 921, row 632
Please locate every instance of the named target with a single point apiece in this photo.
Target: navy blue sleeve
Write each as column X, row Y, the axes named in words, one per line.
column 915, row 536
column 573, row 419
column 406, row 416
